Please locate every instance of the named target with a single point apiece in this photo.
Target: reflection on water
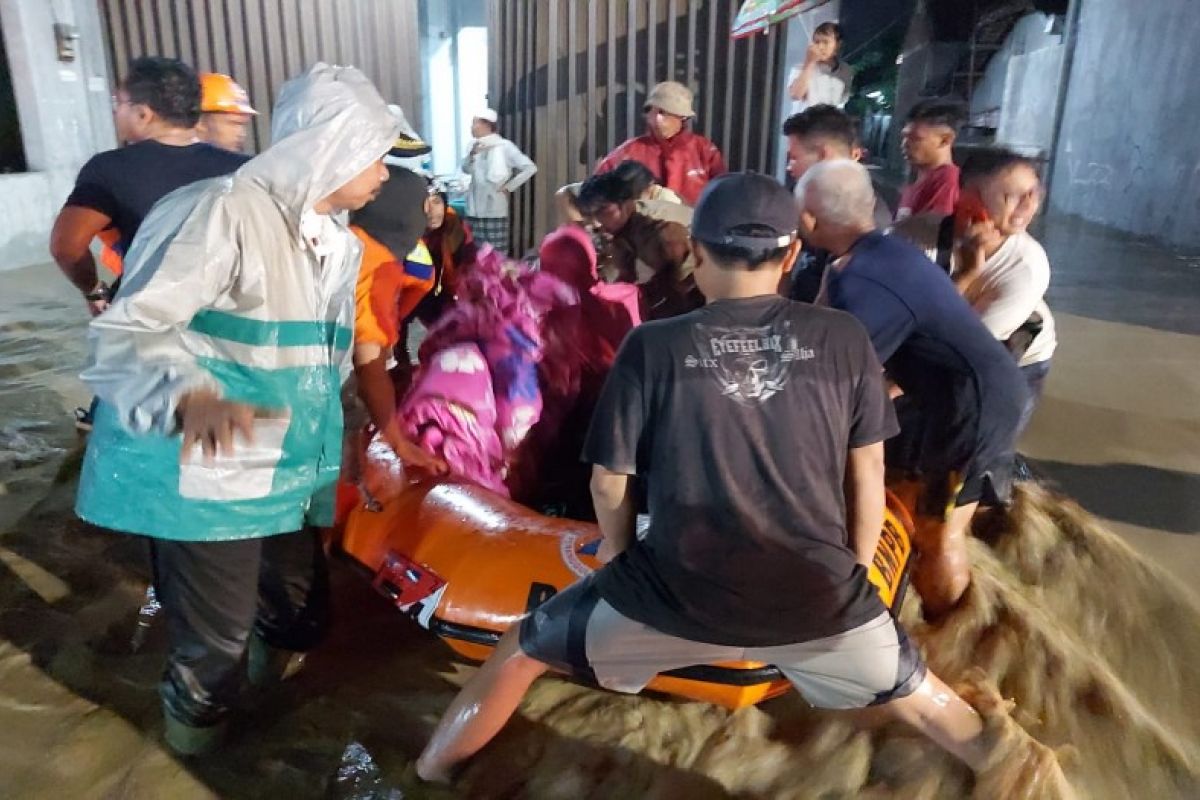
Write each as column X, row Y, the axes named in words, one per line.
column 1101, row 273
column 25, row 443
column 42, row 348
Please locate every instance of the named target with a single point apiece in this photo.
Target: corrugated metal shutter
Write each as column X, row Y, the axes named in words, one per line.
column 262, row 43
column 569, row 78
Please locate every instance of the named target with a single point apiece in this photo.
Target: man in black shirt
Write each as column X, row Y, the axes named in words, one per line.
column 156, row 109
column 758, row 425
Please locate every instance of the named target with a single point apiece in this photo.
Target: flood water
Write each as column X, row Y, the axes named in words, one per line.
column 1096, row 645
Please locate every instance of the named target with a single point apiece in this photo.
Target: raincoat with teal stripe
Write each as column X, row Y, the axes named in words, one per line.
column 228, row 287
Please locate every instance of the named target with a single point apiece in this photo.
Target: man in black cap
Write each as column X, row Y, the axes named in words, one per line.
column 757, row 424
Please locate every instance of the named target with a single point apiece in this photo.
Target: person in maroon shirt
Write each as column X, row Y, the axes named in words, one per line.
column 928, row 139
column 681, row 160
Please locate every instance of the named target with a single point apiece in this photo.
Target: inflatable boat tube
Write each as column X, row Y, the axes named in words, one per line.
column 467, row 564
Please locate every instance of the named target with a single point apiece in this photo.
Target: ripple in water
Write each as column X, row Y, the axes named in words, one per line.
column 25, row 443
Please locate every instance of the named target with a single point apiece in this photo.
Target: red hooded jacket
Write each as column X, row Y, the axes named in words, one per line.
column 685, row 163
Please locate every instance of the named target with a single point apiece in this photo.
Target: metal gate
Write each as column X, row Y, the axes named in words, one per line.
column 262, row 43
column 569, row 78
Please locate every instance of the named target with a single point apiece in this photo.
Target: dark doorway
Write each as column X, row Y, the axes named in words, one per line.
column 12, row 151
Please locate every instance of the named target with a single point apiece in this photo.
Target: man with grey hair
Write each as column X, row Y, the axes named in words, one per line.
column 841, row 202
column 821, row 133
column 961, row 393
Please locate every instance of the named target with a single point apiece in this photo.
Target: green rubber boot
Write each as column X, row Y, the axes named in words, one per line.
column 189, row 740
column 268, row 666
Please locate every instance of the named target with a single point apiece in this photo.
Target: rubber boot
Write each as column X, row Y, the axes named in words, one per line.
column 190, row 740
column 268, row 666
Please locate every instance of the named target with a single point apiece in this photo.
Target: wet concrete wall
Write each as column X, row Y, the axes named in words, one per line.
column 1019, row 89
column 1026, row 119
column 1129, row 155
column 1027, row 36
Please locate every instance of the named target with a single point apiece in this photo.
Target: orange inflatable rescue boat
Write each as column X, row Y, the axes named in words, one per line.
column 467, row 564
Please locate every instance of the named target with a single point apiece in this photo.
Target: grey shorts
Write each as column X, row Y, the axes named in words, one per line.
column 579, row 633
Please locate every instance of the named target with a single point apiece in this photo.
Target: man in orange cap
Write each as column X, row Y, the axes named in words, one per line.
column 225, row 112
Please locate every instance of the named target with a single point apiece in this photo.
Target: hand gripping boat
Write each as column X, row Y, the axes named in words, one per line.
column 467, row 564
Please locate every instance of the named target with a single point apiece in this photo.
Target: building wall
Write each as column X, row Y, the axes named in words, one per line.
column 1027, row 36
column 569, row 78
column 454, row 52
column 263, row 43
column 1031, row 89
column 1019, row 89
column 66, row 116
column 1128, row 155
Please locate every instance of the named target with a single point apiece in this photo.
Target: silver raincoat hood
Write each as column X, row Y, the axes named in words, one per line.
column 222, row 291
column 321, row 137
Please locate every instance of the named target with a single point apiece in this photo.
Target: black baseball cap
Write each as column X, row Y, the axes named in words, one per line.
column 737, row 201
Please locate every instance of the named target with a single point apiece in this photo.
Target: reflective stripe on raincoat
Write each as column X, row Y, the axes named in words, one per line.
column 223, row 290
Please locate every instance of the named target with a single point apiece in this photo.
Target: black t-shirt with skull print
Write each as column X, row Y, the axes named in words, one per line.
column 739, row 416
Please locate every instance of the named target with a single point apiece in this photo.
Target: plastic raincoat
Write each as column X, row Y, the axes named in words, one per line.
column 235, row 283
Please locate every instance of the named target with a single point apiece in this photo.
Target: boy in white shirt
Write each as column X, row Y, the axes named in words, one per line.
column 1000, row 269
column 823, row 78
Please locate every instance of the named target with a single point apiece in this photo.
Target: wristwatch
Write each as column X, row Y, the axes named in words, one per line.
column 101, row 292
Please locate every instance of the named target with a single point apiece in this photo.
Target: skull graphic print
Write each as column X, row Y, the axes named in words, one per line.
column 751, row 365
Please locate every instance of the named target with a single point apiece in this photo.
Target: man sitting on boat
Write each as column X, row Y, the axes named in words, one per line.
column 757, row 424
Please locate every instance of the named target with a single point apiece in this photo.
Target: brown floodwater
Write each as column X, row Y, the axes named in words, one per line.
column 1095, row 645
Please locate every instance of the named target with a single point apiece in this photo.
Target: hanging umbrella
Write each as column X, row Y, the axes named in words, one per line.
column 758, row 15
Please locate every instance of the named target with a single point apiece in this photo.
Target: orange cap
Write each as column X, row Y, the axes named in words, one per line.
column 219, row 93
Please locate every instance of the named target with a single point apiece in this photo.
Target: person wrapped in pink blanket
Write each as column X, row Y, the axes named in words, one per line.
column 498, row 313
column 546, row 339
column 580, row 341
column 451, row 413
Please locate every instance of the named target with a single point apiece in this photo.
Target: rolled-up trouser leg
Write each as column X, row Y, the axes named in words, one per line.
column 209, row 594
column 293, row 590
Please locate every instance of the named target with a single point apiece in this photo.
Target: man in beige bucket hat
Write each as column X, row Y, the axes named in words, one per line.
column 683, row 161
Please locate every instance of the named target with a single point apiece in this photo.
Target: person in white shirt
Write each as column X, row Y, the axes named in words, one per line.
column 823, row 78
column 1000, row 269
column 497, row 168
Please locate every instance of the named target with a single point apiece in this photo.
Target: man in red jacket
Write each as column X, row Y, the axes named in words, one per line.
column 681, row 160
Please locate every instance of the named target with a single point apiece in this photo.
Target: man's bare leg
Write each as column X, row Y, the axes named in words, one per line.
column 937, row 711
column 943, row 569
column 480, row 710
column 1006, row 760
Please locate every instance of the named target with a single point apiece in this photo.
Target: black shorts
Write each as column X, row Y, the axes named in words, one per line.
column 962, row 449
